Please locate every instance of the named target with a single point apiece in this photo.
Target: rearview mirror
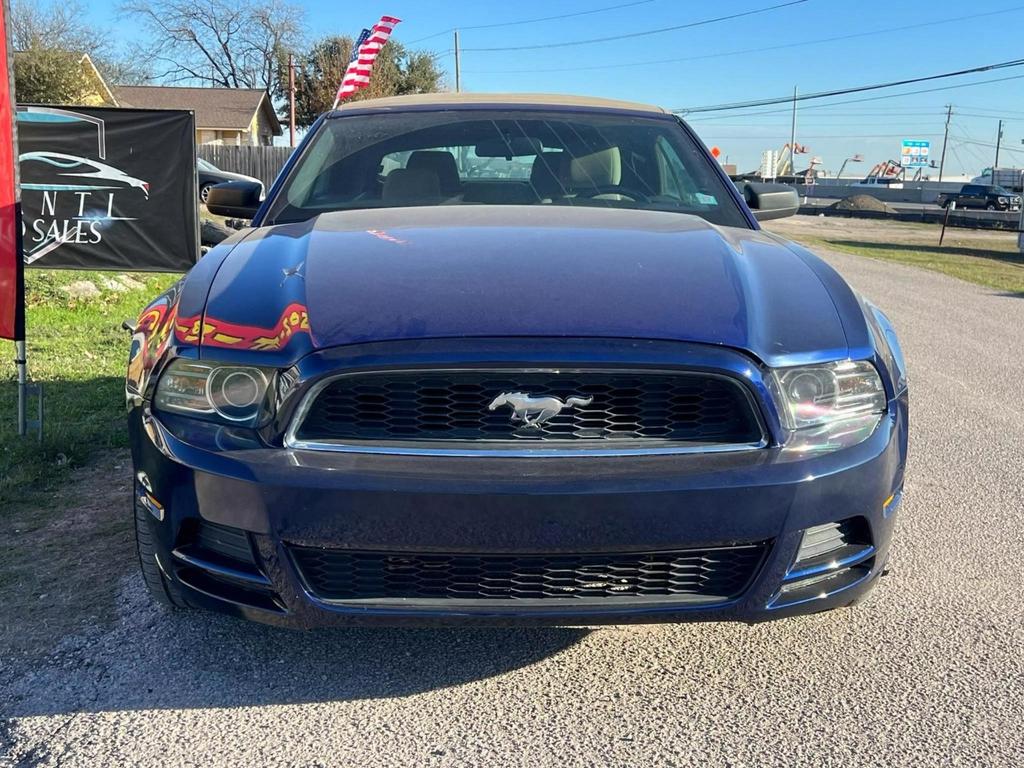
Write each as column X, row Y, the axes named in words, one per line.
column 770, row 201
column 509, row 146
column 235, row 199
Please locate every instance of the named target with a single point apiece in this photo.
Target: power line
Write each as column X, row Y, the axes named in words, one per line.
column 991, row 145
column 956, row 154
column 868, row 98
column 617, row 38
column 842, row 124
column 854, row 89
column 992, row 117
column 821, row 136
column 702, row 118
column 532, row 21
column 996, row 111
column 629, row 63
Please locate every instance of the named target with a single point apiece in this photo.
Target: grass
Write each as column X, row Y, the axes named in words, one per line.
column 69, row 495
column 994, row 269
column 988, row 259
column 78, row 351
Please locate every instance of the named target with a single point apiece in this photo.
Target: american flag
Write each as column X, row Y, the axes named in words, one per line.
column 364, row 53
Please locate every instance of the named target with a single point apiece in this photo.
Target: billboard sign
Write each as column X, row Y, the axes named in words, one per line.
column 105, row 188
column 914, row 153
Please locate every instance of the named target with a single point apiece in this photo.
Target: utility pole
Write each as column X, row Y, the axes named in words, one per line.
column 999, row 140
column 291, row 100
column 458, row 73
column 792, row 138
column 945, row 138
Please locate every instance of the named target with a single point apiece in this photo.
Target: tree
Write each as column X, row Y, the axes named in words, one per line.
column 49, row 76
column 49, row 36
column 219, row 43
column 318, row 74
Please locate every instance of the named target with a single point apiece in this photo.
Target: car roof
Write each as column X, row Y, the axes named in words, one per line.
column 497, row 100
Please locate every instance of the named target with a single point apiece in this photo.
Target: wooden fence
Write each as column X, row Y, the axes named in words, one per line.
column 262, row 163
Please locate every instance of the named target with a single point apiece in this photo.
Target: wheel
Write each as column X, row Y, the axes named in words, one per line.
column 163, row 591
column 204, row 193
column 990, row 207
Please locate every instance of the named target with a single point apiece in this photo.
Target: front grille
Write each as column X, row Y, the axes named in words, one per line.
column 589, row 406
column 711, row 575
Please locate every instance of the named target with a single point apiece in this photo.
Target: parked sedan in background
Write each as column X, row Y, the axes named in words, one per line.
column 209, row 175
column 422, row 388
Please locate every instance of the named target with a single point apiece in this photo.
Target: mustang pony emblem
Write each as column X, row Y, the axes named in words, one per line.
column 535, row 411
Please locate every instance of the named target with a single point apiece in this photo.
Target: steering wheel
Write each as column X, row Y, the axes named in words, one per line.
column 614, row 189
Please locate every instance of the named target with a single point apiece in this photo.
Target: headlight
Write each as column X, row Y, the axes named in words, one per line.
column 820, row 402
column 232, row 393
column 1004, row 199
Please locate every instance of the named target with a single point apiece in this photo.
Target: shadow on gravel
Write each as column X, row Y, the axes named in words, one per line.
column 154, row 659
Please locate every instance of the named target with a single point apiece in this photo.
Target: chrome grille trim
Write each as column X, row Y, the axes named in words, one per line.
column 510, row 449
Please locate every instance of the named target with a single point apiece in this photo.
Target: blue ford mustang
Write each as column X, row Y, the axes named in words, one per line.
column 512, row 359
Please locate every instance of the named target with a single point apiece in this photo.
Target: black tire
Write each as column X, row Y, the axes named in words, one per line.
column 163, row 591
column 990, row 207
column 204, row 193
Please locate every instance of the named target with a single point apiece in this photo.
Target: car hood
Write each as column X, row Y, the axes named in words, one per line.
column 462, row 271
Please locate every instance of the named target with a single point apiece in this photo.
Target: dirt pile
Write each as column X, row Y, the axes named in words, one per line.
column 862, row 203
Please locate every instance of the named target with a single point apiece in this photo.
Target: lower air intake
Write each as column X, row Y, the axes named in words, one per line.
column 832, row 557
column 704, row 575
column 232, row 543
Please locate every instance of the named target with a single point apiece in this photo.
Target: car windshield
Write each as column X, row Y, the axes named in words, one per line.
column 203, row 165
column 520, row 157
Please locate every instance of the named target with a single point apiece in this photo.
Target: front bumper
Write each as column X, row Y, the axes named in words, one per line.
column 463, row 505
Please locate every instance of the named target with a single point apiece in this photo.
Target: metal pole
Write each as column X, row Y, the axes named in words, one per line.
column 20, row 349
column 792, row 138
column 291, row 100
column 1020, row 222
column 999, row 140
column 21, row 365
column 458, row 64
column 945, row 138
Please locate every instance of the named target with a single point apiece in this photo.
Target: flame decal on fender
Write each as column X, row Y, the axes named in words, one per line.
column 221, row 333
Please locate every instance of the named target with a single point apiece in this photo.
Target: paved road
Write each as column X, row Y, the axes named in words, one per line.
column 929, row 672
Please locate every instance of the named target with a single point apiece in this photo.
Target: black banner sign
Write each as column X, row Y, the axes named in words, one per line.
column 106, row 188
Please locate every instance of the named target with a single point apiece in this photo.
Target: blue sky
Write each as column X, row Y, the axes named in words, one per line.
column 882, row 47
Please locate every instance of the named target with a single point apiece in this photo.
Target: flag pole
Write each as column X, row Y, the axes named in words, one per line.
column 14, row 203
column 364, row 52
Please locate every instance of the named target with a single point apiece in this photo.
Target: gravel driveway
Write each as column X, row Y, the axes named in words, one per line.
column 928, row 672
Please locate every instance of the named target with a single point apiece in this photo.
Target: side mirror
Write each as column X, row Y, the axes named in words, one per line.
column 768, row 201
column 235, row 199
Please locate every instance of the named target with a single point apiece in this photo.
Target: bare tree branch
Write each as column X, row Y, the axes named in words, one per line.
column 57, row 25
column 218, row 42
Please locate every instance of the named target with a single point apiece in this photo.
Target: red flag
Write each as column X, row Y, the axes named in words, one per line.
column 357, row 75
column 12, row 286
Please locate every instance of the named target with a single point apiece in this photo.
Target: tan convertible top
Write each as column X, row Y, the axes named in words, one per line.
column 539, row 99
